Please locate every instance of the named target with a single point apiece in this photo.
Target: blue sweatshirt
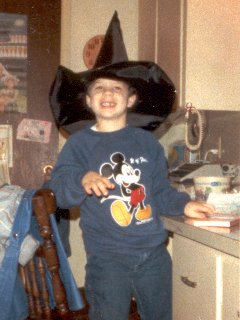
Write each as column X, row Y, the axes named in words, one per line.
column 129, row 219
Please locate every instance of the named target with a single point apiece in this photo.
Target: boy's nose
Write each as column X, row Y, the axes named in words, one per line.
column 108, row 90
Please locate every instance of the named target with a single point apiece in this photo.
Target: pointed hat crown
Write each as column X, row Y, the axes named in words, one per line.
column 156, row 92
column 113, row 49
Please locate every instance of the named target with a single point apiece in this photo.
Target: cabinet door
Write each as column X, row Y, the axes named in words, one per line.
column 231, row 288
column 194, row 280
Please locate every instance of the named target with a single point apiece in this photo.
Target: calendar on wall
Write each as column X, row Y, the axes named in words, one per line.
column 13, row 63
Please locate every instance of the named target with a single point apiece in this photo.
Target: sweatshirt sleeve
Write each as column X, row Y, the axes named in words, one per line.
column 67, row 175
column 169, row 200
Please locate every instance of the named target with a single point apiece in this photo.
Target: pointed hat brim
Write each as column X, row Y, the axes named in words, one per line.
column 156, row 92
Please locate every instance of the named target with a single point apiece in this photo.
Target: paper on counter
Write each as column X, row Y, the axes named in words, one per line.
column 226, row 203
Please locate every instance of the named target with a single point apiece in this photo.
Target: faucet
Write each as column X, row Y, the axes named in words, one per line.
column 212, row 151
column 219, row 148
column 217, row 151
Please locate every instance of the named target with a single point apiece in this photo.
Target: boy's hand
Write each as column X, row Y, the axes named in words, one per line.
column 194, row 209
column 93, row 182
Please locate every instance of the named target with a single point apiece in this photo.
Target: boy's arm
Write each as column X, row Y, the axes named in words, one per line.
column 172, row 201
column 169, row 200
column 66, row 177
column 66, row 184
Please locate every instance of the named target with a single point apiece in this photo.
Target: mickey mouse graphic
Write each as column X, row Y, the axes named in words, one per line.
column 133, row 193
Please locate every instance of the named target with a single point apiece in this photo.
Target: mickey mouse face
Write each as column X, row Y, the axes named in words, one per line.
column 128, row 175
column 122, row 172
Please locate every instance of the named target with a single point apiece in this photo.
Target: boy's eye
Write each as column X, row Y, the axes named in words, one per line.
column 117, row 89
column 98, row 88
column 101, row 88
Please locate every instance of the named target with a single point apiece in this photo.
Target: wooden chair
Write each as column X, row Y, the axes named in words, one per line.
column 43, row 204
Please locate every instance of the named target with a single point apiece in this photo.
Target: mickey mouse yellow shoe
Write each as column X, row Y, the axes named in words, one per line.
column 120, row 213
column 143, row 214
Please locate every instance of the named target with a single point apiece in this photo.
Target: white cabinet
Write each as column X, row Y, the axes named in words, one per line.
column 194, row 285
column 205, row 282
column 231, row 288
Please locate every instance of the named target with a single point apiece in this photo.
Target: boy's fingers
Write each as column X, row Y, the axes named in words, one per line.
column 198, row 210
column 207, row 209
column 99, row 187
column 107, row 182
column 93, row 182
column 87, row 188
column 203, row 206
column 211, row 207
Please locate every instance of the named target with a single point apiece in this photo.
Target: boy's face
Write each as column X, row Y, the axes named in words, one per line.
column 109, row 99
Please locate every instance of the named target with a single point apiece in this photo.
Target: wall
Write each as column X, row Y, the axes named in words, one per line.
column 43, row 47
column 82, row 20
column 212, row 65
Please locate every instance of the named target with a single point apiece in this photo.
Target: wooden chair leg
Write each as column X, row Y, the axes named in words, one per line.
column 44, row 290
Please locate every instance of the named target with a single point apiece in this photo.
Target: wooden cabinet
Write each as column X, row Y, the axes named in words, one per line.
column 160, row 37
column 205, row 282
column 197, row 44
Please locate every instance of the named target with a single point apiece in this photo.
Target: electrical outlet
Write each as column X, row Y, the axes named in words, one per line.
column 230, row 170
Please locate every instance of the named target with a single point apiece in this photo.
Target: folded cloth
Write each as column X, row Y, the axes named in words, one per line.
column 10, row 198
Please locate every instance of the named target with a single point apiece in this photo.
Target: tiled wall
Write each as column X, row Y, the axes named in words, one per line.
column 226, row 126
column 220, row 127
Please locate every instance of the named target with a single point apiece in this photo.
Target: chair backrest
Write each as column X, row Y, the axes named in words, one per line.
column 33, row 274
column 46, row 258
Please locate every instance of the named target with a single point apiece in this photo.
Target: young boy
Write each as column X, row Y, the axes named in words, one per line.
column 117, row 173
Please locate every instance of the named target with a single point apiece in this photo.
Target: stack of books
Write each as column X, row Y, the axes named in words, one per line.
column 227, row 213
column 219, row 222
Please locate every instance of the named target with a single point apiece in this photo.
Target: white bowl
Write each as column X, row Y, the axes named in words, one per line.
column 205, row 185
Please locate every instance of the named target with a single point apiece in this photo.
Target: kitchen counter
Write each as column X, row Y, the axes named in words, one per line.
column 225, row 242
column 206, row 269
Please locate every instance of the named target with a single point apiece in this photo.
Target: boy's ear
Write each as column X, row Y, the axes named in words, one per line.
column 132, row 100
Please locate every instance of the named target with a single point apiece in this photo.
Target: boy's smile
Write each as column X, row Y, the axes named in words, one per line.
column 109, row 100
column 108, row 104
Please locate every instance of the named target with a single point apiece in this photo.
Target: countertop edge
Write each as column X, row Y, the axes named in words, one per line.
column 219, row 241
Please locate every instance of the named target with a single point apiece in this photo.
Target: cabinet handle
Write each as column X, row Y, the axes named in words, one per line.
column 188, row 282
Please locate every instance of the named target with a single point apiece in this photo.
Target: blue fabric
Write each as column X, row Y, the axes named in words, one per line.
column 13, row 300
column 112, row 281
column 74, row 299
column 135, row 163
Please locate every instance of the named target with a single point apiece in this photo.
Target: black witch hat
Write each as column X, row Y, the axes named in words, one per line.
column 156, row 92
